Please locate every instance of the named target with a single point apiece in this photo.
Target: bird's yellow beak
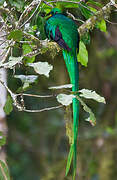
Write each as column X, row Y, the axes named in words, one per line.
column 48, row 15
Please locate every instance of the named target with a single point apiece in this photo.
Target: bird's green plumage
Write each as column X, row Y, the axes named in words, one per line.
column 63, row 30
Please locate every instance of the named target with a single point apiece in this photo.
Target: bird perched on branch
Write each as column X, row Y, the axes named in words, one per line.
column 63, row 31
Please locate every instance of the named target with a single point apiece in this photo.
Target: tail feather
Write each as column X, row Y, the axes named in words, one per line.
column 72, row 67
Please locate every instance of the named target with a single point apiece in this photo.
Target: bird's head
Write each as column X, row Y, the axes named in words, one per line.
column 55, row 11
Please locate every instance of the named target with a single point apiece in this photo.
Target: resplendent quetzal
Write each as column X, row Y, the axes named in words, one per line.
column 63, row 31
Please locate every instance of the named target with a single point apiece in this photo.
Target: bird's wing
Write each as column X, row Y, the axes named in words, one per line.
column 64, row 31
column 59, row 39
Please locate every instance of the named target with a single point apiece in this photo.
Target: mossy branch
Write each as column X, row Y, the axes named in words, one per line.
column 103, row 13
column 44, row 45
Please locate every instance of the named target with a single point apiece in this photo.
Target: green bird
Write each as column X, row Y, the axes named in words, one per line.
column 63, row 31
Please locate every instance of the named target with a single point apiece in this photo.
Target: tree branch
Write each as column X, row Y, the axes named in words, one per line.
column 99, row 15
column 27, row 10
column 31, row 15
column 44, row 109
column 9, row 14
column 21, row 107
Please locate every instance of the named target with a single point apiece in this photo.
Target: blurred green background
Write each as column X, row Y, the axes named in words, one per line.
column 37, row 146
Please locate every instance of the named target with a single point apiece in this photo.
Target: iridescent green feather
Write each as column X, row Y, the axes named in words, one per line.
column 69, row 34
column 72, row 67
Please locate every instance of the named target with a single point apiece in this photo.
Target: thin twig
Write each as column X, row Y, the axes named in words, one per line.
column 31, row 15
column 79, row 20
column 2, row 53
column 48, row 4
column 33, row 53
column 8, row 51
column 3, row 35
column 114, row 23
column 4, row 27
column 9, row 15
column 32, row 37
column 27, row 8
column 26, row 42
column 44, row 109
column 10, row 92
column 90, row 23
column 74, row 2
column 34, row 95
column 3, row 42
column 21, row 106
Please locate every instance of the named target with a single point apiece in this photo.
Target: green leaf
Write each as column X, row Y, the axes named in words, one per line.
column 69, row 160
column 16, row 35
column 89, row 94
column 83, row 54
column 46, row 9
column 85, row 10
column 93, row 9
column 91, row 117
column 27, row 49
column 101, row 25
column 62, row 5
column 8, row 108
column 65, row 99
column 41, row 68
column 2, row 139
column 86, row 38
column 4, row 172
column 95, row 3
column 110, row 130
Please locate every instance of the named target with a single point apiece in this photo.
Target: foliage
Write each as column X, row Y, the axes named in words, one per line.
column 27, row 46
column 2, row 139
column 83, row 54
column 4, row 172
column 8, row 106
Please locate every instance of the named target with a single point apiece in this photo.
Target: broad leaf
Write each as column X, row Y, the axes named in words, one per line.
column 27, row 80
column 89, row 94
column 83, row 54
column 61, row 86
column 85, row 10
column 41, row 68
column 16, row 35
column 27, row 49
column 12, row 62
column 65, row 99
column 62, row 5
column 101, row 25
column 4, row 172
column 91, row 117
column 8, row 105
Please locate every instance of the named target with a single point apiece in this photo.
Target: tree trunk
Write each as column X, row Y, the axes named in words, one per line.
column 3, row 93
